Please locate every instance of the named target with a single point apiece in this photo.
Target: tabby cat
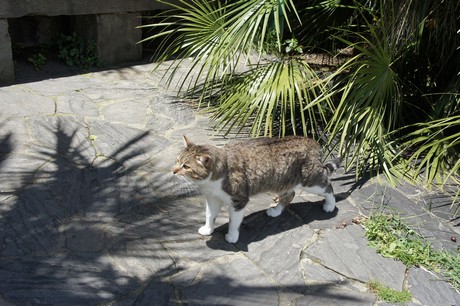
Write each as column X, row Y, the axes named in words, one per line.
column 231, row 174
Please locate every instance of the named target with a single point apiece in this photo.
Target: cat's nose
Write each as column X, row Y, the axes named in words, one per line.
column 175, row 169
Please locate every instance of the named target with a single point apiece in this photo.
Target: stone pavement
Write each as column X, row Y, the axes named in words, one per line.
column 90, row 213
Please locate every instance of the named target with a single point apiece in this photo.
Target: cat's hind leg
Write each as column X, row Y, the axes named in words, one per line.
column 213, row 206
column 282, row 201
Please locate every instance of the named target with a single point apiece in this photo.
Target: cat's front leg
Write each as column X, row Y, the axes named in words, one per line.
column 328, row 194
column 329, row 203
column 236, row 217
column 213, row 206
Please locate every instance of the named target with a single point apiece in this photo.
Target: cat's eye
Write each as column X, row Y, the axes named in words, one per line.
column 185, row 167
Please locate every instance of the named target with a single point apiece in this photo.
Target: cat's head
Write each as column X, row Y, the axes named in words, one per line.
column 193, row 162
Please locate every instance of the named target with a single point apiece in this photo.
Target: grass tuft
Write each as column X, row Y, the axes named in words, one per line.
column 390, row 295
column 392, row 238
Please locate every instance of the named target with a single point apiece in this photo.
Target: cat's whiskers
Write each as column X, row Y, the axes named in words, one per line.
column 185, row 187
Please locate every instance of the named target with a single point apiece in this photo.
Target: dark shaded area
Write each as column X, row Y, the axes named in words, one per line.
column 222, row 290
column 55, row 239
column 32, row 36
column 5, row 147
column 52, row 69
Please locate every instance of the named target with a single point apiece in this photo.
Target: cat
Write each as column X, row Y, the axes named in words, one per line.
column 231, row 174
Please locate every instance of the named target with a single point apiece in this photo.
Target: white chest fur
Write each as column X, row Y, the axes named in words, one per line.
column 213, row 189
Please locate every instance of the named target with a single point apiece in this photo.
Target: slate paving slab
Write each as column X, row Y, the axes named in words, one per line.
column 347, row 253
column 90, row 213
column 377, row 197
column 23, row 102
column 429, row 289
column 231, row 280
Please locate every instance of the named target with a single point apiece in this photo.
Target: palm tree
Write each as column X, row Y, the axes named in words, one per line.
column 373, row 107
column 272, row 93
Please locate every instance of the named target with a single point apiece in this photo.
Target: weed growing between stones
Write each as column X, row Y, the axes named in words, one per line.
column 389, row 295
column 392, row 238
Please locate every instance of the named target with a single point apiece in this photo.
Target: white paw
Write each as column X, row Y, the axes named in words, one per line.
column 231, row 238
column 273, row 212
column 328, row 207
column 205, row 230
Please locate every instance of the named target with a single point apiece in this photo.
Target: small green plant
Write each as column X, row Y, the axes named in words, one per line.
column 38, row 60
column 292, row 46
column 392, row 238
column 388, row 294
column 76, row 52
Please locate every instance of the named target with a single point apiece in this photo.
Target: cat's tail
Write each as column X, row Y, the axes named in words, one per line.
column 332, row 165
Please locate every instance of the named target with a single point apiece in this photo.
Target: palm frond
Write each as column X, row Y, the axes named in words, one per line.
column 436, row 146
column 369, row 107
column 274, row 98
column 219, row 37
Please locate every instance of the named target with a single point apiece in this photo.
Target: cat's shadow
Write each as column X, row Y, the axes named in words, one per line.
column 257, row 226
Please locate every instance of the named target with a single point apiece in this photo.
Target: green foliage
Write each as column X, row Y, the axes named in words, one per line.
column 38, row 60
column 292, row 46
column 436, row 146
column 76, row 53
column 392, row 238
column 390, row 295
column 273, row 96
column 391, row 107
column 370, row 103
column 217, row 36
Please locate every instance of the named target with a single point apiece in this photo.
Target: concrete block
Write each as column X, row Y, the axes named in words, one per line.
column 115, row 35
column 14, row 8
column 6, row 55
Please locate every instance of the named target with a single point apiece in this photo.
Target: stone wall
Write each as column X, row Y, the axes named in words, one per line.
column 111, row 24
column 6, row 54
column 115, row 36
column 20, row 8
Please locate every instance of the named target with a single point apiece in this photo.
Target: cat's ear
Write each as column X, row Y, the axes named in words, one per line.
column 204, row 159
column 187, row 142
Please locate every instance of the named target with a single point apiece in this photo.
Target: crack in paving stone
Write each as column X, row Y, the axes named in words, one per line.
column 341, row 250
column 306, row 259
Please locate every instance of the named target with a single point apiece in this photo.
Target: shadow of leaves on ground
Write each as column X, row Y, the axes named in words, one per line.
column 223, row 290
column 86, row 228
column 67, row 236
column 5, row 147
